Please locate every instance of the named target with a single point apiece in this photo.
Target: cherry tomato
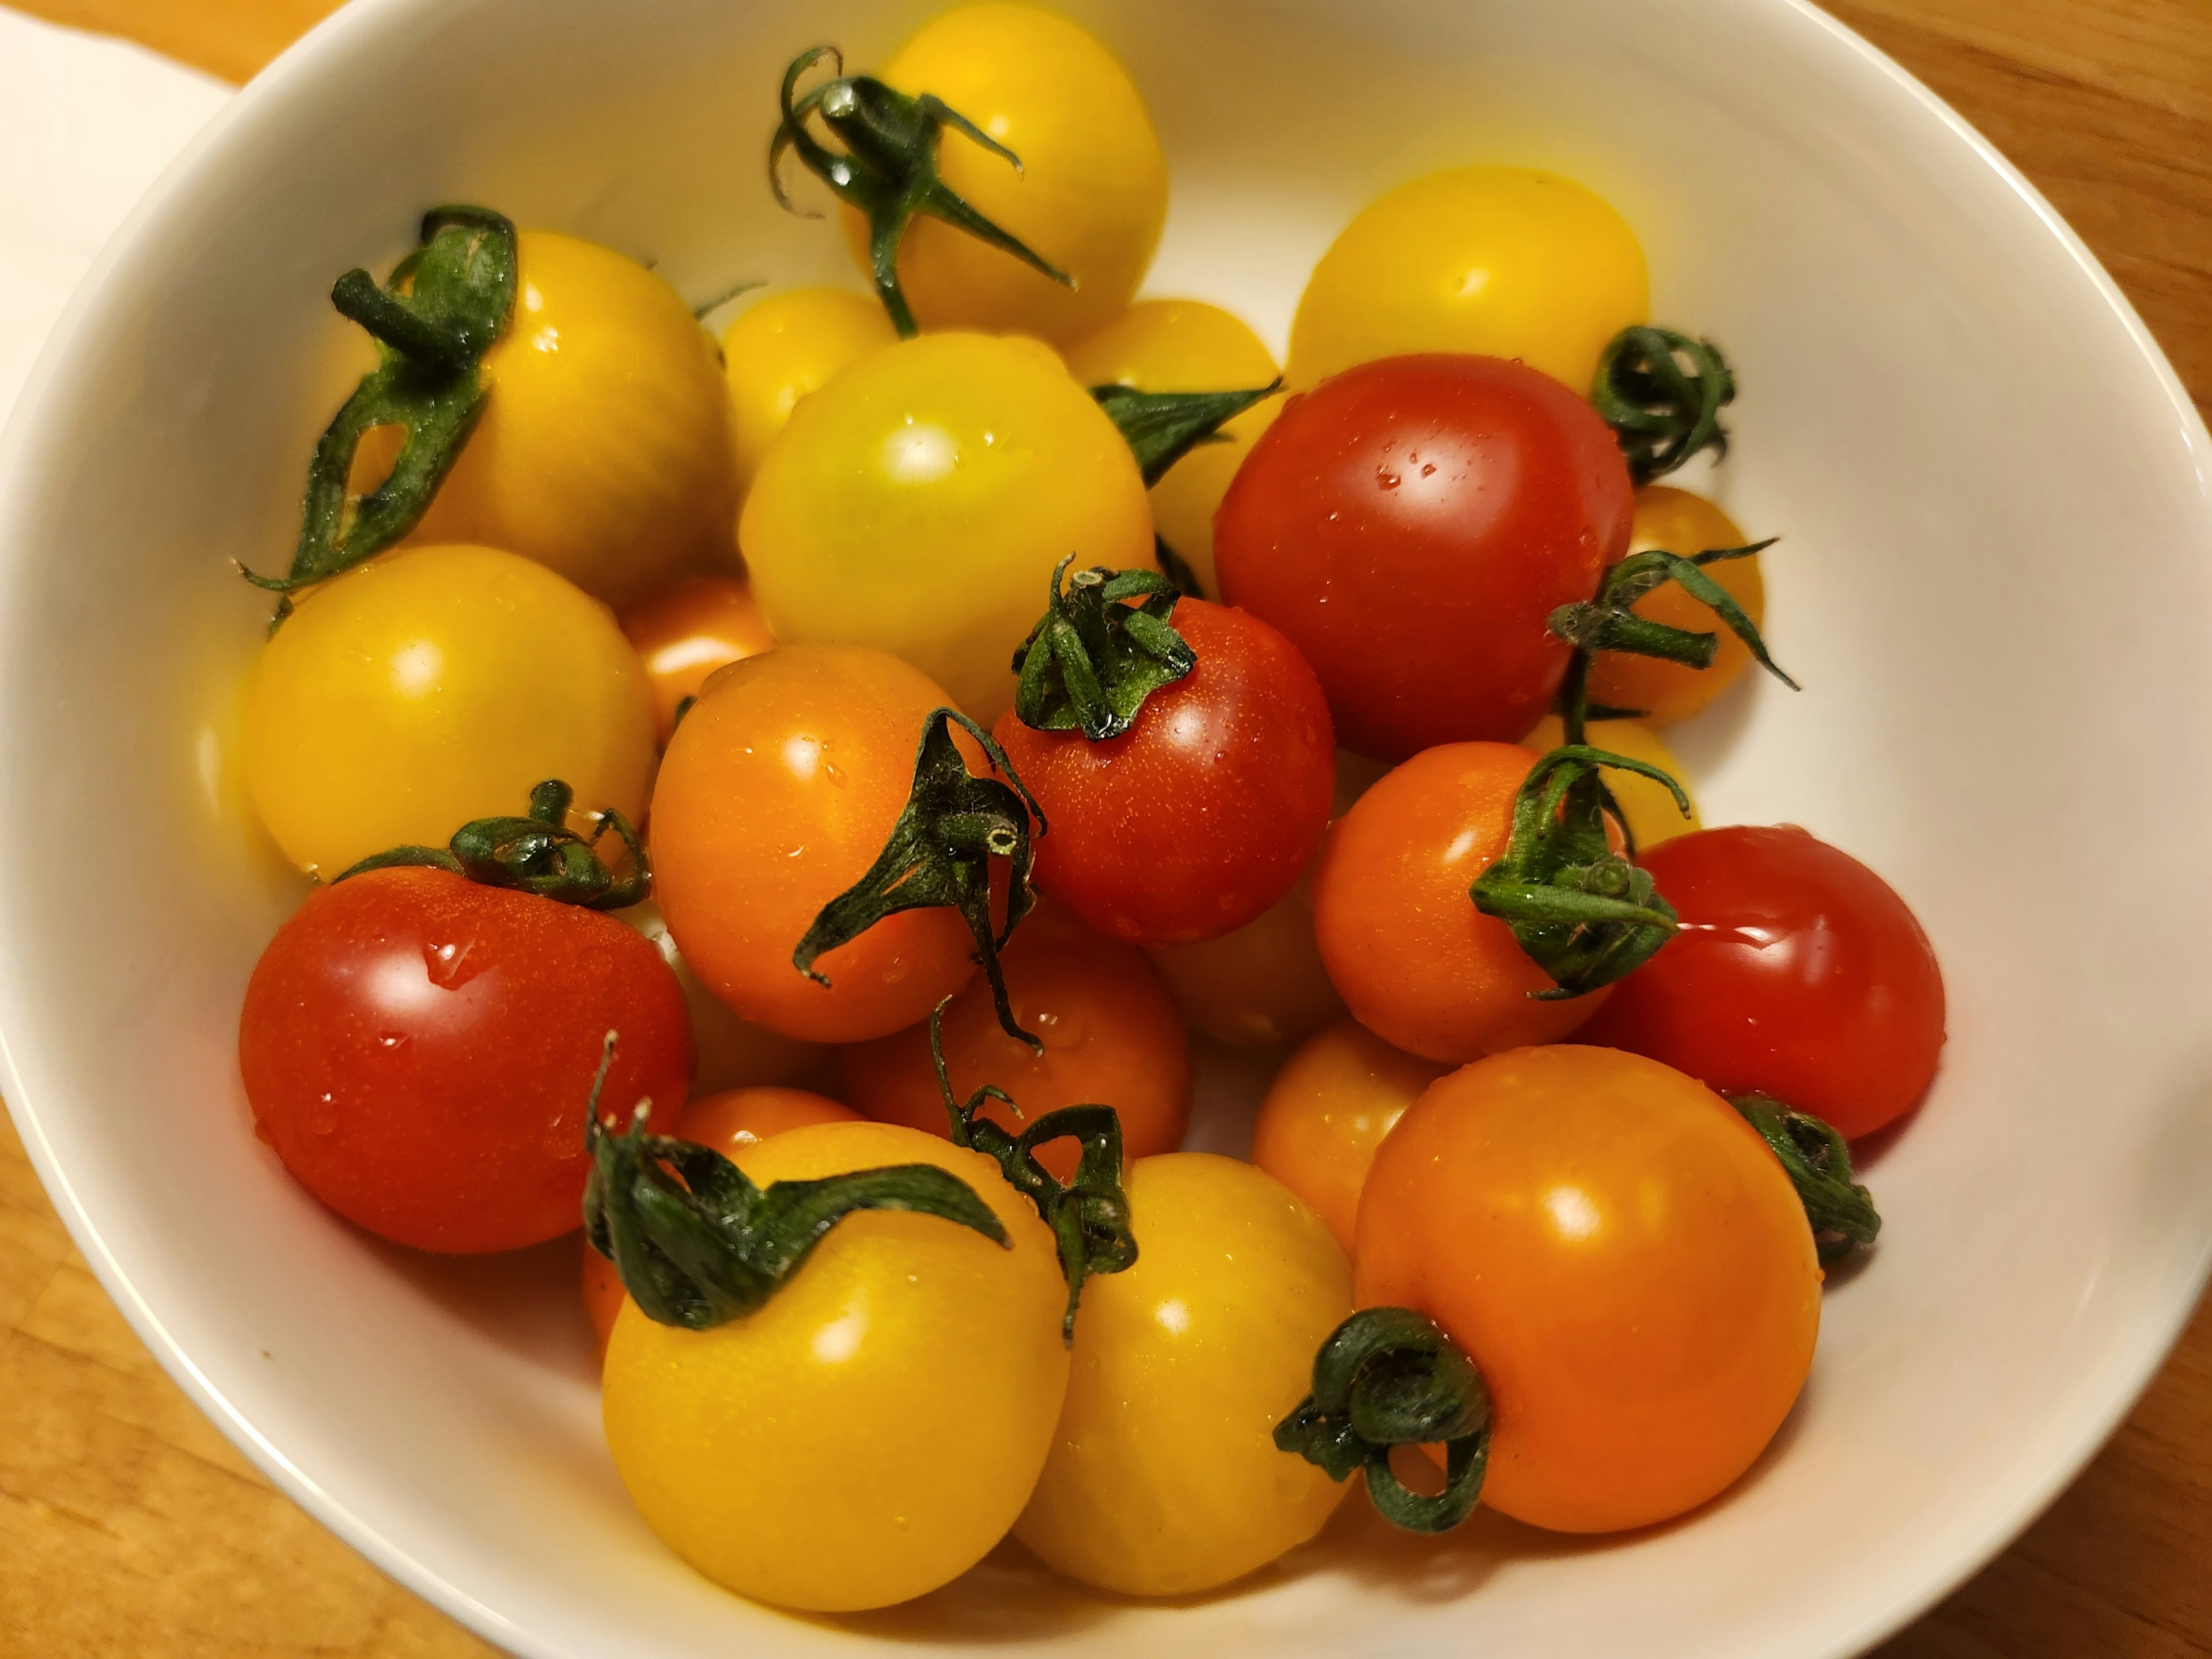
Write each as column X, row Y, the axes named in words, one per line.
column 1411, row 525
column 1259, row 986
column 1419, row 965
column 1111, row 1035
column 1164, row 1478
column 783, row 1455
column 919, row 502
column 1681, row 523
column 733, row 1053
column 1504, row 261
column 1091, row 195
column 777, row 793
column 1200, row 817
column 1646, row 803
column 1329, row 1110
column 1798, row 973
column 433, row 685
column 727, row 1122
column 604, row 449
column 1623, row 1258
column 1186, row 345
column 785, row 347
column 686, row 633
column 419, row 1050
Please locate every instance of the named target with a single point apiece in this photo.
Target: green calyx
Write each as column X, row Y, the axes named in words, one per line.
column 1091, row 663
column 1161, row 428
column 1385, row 1378
column 1609, row 621
column 940, row 854
column 1662, row 393
column 1089, row 1215
column 1819, row 1165
column 444, row 306
column 538, row 855
column 887, row 170
column 698, row 1244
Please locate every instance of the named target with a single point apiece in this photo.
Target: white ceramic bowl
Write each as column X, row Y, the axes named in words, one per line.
column 1994, row 587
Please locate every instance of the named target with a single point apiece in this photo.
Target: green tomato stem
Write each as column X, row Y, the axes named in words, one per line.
column 538, row 855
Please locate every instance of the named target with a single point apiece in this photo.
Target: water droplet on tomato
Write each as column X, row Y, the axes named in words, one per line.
column 321, row 1116
column 391, row 1040
column 452, row 966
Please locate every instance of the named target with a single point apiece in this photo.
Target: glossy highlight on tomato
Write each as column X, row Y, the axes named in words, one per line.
column 684, row 633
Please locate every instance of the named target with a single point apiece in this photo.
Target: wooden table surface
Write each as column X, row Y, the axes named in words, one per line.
column 128, row 1526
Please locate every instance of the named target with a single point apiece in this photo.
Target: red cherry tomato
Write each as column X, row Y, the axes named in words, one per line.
column 1204, row 813
column 1411, row 523
column 1798, row 973
column 419, row 1050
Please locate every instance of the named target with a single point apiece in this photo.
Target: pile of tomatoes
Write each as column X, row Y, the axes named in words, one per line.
column 785, row 806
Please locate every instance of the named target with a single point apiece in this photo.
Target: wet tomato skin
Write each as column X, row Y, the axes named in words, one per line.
column 1205, row 812
column 1411, row 523
column 1798, row 973
column 419, row 1050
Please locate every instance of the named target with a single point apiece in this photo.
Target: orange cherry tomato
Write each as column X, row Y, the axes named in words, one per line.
column 687, row 632
column 1111, row 1035
column 777, row 793
column 1623, row 1258
column 1329, row 1110
column 1681, row 522
column 1417, row 963
column 1262, row 986
column 726, row 1121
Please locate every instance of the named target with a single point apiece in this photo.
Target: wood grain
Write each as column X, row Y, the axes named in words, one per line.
column 128, row 1526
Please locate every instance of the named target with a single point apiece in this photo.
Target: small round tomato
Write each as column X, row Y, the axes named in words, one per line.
column 1327, row 1110
column 1110, row 1036
column 785, row 347
column 1412, row 524
column 1262, row 985
column 728, row 1121
column 1504, row 261
column 1798, row 973
column 780, row 1455
column 604, row 449
column 1646, row 803
column 686, row 633
column 1090, row 194
column 432, row 686
column 919, row 502
column 1164, row 1478
column 1202, row 815
column 419, row 1050
column 1622, row 1257
column 1417, row 963
column 1686, row 524
column 1186, row 345
column 733, row 1052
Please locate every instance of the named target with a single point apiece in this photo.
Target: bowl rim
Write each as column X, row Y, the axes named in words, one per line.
column 330, row 47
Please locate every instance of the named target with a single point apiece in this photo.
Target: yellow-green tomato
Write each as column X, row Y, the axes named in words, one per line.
column 919, row 501
column 1185, row 345
column 433, row 686
column 783, row 348
column 1505, row 261
column 1164, row 1478
column 604, row 449
column 1090, row 198
column 875, row 1428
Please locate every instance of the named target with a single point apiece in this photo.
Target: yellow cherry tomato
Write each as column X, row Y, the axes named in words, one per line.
column 1164, row 1478
column 785, row 347
column 1329, row 1110
column 875, row 1428
column 1091, row 195
column 1646, row 803
column 1682, row 522
column 1185, row 345
column 1503, row 261
column 433, row 685
column 604, row 449
column 919, row 501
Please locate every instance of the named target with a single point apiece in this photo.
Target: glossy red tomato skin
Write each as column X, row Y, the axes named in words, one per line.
column 419, row 1050
column 1204, row 813
column 1798, row 973
column 1411, row 523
